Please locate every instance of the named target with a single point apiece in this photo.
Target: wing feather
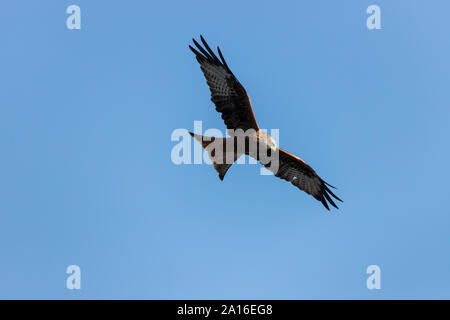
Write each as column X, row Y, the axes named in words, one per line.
column 228, row 95
column 301, row 175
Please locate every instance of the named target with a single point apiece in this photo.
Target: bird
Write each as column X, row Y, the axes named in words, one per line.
column 231, row 100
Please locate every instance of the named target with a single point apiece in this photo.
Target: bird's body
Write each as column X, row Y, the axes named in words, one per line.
column 233, row 103
column 263, row 140
column 251, row 143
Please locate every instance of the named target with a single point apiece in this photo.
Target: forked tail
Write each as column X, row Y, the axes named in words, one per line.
column 221, row 151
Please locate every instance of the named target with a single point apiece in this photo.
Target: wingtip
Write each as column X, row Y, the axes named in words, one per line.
column 331, row 192
column 329, row 184
column 324, row 202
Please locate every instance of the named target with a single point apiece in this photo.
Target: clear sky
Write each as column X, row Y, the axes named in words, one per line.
column 86, row 176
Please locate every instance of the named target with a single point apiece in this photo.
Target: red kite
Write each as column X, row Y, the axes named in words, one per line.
column 232, row 101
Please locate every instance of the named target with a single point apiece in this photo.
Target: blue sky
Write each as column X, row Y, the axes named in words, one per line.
column 86, row 176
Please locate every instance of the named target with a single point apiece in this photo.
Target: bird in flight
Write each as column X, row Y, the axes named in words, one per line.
column 232, row 101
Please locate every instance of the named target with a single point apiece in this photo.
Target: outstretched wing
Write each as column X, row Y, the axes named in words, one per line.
column 227, row 93
column 301, row 175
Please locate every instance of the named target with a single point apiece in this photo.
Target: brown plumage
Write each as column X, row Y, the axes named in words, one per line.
column 227, row 93
column 232, row 101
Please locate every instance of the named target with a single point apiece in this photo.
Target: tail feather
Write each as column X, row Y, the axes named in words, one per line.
column 218, row 159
